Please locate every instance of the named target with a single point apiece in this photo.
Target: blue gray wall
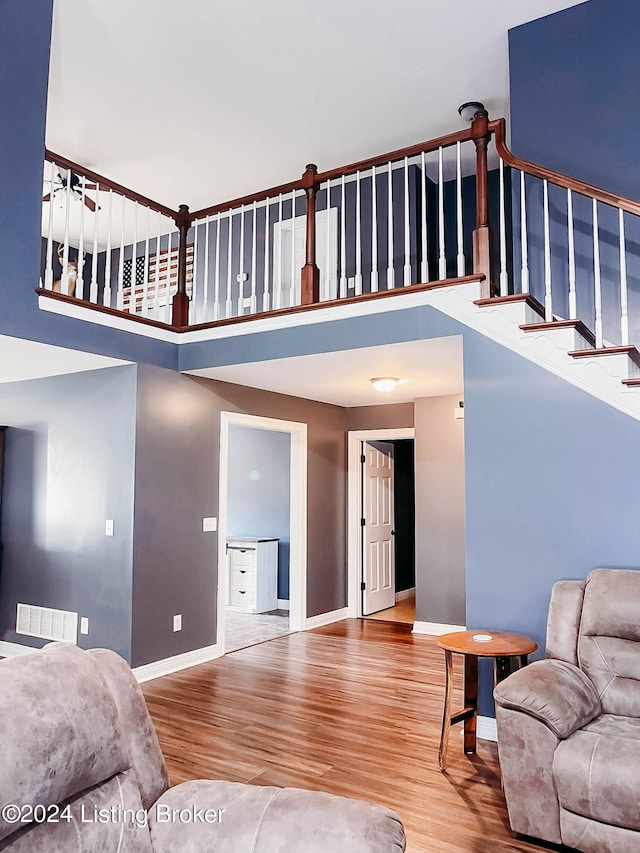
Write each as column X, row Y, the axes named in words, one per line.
column 575, row 96
column 69, row 467
column 258, row 492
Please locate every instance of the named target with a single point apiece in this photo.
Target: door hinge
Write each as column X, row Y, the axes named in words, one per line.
column 363, row 585
column 362, row 458
column 362, row 522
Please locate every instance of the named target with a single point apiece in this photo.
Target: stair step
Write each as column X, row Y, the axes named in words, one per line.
column 628, row 360
column 521, row 307
column 580, row 331
column 632, row 383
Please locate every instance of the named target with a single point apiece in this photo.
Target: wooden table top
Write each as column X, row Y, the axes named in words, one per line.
column 501, row 644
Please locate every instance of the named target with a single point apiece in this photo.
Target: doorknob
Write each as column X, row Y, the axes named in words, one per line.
column 393, row 533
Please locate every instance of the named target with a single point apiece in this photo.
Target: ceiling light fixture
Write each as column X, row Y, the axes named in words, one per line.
column 385, row 384
column 468, row 110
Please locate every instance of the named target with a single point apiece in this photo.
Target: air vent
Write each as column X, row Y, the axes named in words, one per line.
column 47, row 624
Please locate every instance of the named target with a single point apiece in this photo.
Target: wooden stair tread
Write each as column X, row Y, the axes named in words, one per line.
column 629, row 350
column 512, row 297
column 578, row 325
column 632, row 383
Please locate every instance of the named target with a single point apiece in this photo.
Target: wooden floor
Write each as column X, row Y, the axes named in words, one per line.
column 403, row 611
column 353, row 708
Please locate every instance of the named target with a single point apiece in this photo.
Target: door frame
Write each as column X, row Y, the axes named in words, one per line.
column 297, row 515
column 354, row 508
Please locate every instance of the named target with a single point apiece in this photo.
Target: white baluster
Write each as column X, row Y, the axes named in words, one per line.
column 596, row 277
column 548, row 304
column 93, row 288
column 65, row 252
column 145, row 272
column 524, row 270
column 624, row 310
column 343, row 241
column 106, row 293
column 358, row 282
column 216, row 285
column 425, row 258
column 205, row 282
column 48, row 273
column 193, row 303
column 133, row 303
column 156, row 273
column 267, row 240
column 391, row 280
column 460, row 265
column 119, row 293
column 573, row 297
column 254, row 247
column 374, row 232
column 328, row 273
column 407, row 232
column 504, row 275
column 79, row 289
column 292, row 287
column 241, row 266
column 442, row 257
column 228, row 303
column 280, row 288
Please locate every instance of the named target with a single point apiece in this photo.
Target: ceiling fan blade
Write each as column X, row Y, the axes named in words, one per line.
column 91, row 186
column 46, row 197
column 90, row 203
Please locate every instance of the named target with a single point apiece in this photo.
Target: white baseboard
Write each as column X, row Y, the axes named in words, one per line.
column 325, row 618
column 284, row 604
column 405, row 593
column 486, row 728
column 436, row 629
column 166, row 666
column 14, row 650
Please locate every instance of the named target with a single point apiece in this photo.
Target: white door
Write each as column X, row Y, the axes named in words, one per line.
column 378, row 552
column 287, row 270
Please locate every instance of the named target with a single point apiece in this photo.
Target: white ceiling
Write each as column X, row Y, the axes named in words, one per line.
column 203, row 101
column 428, row 368
column 21, row 360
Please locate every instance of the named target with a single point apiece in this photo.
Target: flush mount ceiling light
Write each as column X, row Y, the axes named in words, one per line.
column 385, row 384
column 468, row 110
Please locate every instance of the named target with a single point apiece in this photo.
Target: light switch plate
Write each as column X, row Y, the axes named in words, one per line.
column 84, row 624
column 108, row 527
column 209, row 525
column 177, row 622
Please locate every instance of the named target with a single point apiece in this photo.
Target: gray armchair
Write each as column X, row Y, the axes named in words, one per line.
column 82, row 771
column 569, row 726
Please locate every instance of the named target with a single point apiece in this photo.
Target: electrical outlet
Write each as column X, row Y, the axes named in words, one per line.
column 84, row 624
column 209, row 525
column 177, row 622
column 108, row 527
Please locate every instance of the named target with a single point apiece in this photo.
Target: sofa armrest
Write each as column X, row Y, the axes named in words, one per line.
column 553, row 691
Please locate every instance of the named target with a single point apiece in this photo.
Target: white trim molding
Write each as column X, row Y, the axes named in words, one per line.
column 436, row 629
column 405, row 593
column 486, row 728
column 283, row 604
column 166, row 666
column 14, row 650
column 326, row 618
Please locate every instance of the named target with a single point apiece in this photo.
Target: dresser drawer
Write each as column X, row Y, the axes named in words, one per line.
column 242, row 597
column 241, row 557
column 242, row 578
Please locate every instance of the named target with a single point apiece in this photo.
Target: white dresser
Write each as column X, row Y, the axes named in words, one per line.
column 253, row 574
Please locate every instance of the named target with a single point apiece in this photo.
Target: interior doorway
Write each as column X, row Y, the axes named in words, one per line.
column 262, row 529
column 381, row 525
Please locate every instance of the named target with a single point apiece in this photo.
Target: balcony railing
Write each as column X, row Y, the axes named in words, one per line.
column 431, row 213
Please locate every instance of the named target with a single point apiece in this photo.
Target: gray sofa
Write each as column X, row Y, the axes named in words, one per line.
column 569, row 726
column 82, row 771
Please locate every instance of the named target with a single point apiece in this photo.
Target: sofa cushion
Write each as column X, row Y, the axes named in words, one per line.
column 596, row 772
column 66, row 736
column 609, row 642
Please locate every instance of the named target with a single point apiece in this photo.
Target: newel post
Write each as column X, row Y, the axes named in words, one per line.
column 482, row 235
column 310, row 271
column 180, row 312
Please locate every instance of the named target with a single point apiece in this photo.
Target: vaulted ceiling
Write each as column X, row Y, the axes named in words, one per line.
column 203, row 101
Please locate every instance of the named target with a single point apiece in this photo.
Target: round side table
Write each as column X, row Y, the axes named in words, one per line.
column 499, row 645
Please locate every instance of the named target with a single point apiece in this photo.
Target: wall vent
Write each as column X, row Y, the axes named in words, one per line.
column 47, row 624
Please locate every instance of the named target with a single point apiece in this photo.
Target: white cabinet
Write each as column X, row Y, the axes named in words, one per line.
column 252, row 563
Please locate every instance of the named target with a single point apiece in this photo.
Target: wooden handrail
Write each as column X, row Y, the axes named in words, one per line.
column 350, row 169
column 107, row 184
column 497, row 126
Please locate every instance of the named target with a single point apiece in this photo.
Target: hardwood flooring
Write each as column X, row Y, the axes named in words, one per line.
column 355, row 709
column 403, row 611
